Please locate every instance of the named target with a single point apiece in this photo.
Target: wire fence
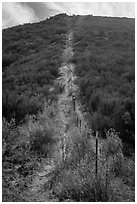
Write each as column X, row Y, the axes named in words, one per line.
column 78, row 121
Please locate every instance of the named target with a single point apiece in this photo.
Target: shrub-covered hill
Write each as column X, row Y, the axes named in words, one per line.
column 104, row 57
column 104, row 62
column 35, row 167
column 31, row 56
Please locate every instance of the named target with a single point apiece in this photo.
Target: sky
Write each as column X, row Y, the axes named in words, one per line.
column 15, row 13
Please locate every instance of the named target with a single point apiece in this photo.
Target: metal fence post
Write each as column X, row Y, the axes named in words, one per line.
column 73, row 101
column 96, row 165
column 106, row 173
column 96, row 154
column 80, row 124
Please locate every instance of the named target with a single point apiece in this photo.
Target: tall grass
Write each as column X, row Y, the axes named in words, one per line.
column 23, row 147
column 75, row 177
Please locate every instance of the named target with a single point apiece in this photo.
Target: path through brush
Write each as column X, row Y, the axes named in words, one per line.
column 67, row 118
column 67, row 80
column 70, row 114
column 36, row 191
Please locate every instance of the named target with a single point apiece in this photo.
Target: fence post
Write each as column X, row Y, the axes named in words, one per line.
column 107, row 174
column 80, row 124
column 73, row 101
column 96, row 154
column 96, row 165
column 63, row 148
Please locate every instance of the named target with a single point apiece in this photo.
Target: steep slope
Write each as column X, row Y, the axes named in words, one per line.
column 31, row 57
column 51, row 155
column 68, row 103
column 69, row 116
column 104, row 59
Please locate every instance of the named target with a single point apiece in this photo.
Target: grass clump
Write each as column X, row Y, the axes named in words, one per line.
column 75, row 178
column 24, row 146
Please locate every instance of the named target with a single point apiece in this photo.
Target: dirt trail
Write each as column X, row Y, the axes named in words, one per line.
column 36, row 191
column 67, row 118
column 67, row 100
column 69, row 115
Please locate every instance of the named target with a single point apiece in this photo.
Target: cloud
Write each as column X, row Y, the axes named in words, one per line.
column 41, row 10
column 14, row 13
column 116, row 9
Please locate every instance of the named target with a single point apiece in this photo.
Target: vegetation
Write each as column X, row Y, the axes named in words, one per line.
column 31, row 58
column 24, row 147
column 76, row 180
column 32, row 129
column 104, row 56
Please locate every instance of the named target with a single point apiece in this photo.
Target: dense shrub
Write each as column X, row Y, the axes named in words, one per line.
column 31, row 58
column 22, row 149
column 75, row 178
column 80, row 185
column 41, row 139
column 104, row 60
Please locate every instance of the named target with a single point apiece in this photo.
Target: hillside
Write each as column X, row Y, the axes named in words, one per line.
column 66, row 79
column 105, row 64
column 30, row 61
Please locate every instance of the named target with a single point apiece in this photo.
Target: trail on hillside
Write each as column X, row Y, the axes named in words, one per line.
column 69, row 116
column 68, row 99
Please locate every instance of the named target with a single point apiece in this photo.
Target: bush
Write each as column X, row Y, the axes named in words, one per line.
column 42, row 130
column 41, row 139
column 23, row 147
column 80, row 184
column 32, row 55
column 74, row 178
column 17, row 162
column 112, row 78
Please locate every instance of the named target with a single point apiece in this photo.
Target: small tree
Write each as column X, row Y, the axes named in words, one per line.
column 111, row 151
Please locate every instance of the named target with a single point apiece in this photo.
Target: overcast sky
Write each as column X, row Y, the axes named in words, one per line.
column 15, row 13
